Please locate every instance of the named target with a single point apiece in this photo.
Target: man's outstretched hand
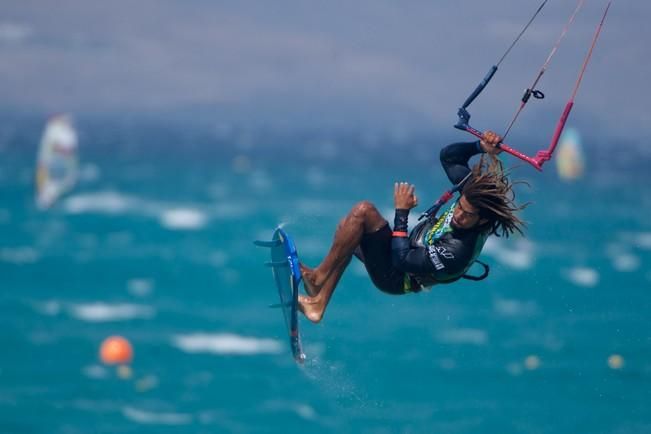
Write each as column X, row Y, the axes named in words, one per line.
column 404, row 196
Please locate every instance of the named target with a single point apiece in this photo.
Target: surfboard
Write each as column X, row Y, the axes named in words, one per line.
column 287, row 277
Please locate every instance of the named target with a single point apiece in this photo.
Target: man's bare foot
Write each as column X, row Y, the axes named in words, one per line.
column 309, row 281
column 311, row 308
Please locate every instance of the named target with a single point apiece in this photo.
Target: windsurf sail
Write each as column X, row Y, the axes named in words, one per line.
column 570, row 163
column 57, row 161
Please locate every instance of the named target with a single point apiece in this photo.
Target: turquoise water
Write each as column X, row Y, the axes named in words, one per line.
column 155, row 244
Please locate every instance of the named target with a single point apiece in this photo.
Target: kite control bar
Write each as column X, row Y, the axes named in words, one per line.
column 536, row 162
column 543, row 155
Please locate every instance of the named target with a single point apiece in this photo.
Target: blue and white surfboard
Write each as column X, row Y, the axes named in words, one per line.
column 287, row 275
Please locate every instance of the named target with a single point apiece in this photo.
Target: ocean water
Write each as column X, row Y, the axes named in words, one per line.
column 155, row 244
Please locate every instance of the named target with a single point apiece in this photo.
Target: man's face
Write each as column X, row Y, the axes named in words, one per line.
column 465, row 215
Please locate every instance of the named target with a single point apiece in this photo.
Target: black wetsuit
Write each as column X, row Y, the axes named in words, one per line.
column 396, row 266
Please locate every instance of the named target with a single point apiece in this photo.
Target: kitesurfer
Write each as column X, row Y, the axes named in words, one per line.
column 439, row 250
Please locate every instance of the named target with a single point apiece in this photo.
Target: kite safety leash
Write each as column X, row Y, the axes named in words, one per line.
column 445, row 197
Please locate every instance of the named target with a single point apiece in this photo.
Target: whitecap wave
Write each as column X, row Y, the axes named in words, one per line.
column 50, row 308
column 170, row 216
column 305, row 411
column 643, row 240
column 19, row 255
column 140, row 287
column 108, row 202
column 622, row 258
column 518, row 254
column 225, row 343
column 183, row 219
column 626, row 262
column 152, row 418
column 463, row 336
column 583, row 276
column 640, row 240
column 104, row 312
column 507, row 307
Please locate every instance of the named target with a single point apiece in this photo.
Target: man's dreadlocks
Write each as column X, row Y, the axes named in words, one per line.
column 490, row 190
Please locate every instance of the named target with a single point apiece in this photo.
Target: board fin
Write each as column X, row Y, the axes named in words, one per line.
column 279, row 305
column 276, row 264
column 272, row 243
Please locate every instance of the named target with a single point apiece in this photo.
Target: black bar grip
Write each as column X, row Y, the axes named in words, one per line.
column 480, row 87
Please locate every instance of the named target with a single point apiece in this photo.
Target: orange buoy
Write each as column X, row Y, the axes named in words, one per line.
column 115, row 350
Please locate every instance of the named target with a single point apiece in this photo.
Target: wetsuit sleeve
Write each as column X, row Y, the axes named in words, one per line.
column 454, row 159
column 403, row 257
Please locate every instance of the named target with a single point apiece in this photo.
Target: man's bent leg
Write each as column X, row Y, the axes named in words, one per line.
column 322, row 281
column 363, row 218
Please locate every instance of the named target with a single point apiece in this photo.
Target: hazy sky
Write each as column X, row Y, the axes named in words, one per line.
column 347, row 61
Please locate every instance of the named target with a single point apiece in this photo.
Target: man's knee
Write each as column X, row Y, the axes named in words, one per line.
column 364, row 209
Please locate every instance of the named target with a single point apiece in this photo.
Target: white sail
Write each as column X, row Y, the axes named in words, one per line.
column 57, row 165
